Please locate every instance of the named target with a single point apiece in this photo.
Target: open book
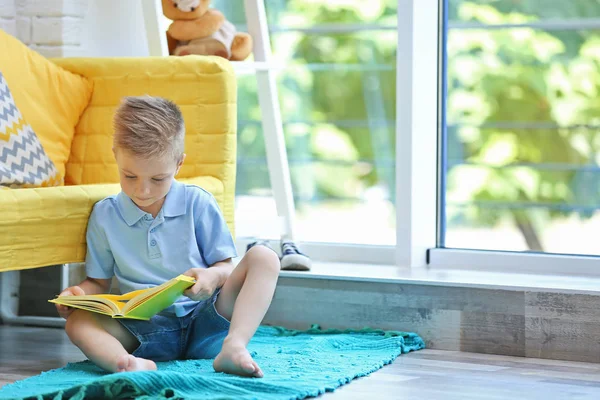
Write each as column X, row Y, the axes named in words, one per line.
column 139, row 304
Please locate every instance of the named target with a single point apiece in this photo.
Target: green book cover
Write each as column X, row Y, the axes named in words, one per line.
column 140, row 304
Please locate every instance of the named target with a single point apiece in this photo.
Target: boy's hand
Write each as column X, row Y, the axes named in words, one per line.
column 206, row 283
column 65, row 311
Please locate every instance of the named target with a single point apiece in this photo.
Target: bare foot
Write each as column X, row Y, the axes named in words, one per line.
column 131, row 363
column 235, row 359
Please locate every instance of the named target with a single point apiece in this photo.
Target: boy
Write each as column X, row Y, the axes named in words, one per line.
column 154, row 230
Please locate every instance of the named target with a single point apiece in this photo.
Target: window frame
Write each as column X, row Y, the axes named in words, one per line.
column 421, row 167
column 520, row 262
column 417, row 132
column 418, row 127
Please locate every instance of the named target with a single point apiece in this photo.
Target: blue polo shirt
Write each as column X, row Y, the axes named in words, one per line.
column 142, row 252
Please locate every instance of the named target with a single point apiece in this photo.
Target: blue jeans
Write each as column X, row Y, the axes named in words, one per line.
column 167, row 337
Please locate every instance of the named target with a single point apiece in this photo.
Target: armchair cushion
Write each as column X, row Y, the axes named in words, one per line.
column 50, row 98
column 23, row 161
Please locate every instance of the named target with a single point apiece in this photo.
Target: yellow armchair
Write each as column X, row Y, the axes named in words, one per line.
column 46, row 226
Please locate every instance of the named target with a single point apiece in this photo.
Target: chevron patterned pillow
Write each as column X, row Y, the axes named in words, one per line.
column 23, row 161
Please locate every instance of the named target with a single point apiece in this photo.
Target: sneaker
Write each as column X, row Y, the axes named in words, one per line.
column 259, row 242
column 292, row 259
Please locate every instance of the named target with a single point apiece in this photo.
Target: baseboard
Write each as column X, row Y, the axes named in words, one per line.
column 551, row 325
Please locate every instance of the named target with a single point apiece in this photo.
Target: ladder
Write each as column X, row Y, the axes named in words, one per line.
column 264, row 68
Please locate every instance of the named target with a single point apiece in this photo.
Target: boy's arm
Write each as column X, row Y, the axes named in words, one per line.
column 98, row 262
column 208, row 279
column 88, row 286
column 95, row 286
column 215, row 244
column 221, row 271
column 213, row 237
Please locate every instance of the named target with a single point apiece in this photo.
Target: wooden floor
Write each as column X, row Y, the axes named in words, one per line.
column 427, row 374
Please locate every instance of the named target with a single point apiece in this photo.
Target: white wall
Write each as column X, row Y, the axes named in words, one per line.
column 114, row 28
column 51, row 27
column 77, row 28
column 8, row 16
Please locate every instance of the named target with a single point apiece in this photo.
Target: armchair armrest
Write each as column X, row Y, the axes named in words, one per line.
column 46, row 226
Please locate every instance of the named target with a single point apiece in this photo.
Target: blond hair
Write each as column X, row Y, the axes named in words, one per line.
column 149, row 127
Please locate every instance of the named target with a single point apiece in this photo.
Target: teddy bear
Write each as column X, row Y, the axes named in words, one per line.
column 198, row 29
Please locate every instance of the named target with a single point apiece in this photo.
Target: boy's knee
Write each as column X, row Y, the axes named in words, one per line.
column 263, row 257
column 262, row 252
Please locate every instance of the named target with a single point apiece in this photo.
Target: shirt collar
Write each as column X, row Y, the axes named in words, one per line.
column 130, row 212
column 173, row 206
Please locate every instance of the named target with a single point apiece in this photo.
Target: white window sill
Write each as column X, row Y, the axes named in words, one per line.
column 446, row 277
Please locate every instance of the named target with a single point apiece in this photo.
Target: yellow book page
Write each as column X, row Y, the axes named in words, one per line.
column 94, row 310
column 139, row 296
column 91, row 303
column 123, row 297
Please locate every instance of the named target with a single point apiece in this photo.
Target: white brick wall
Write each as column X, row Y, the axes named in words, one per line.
column 53, row 8
column 24, row 29
column 56, row 30
column 9, row 25
column 7, row 8
column 51, row 27
column 8, row 15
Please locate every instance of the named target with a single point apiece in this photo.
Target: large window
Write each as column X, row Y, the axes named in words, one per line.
column 337, row 97
column 523, row 118
column 517, row 111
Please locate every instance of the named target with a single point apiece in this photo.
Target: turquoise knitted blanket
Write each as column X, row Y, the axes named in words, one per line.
column 297, row 364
